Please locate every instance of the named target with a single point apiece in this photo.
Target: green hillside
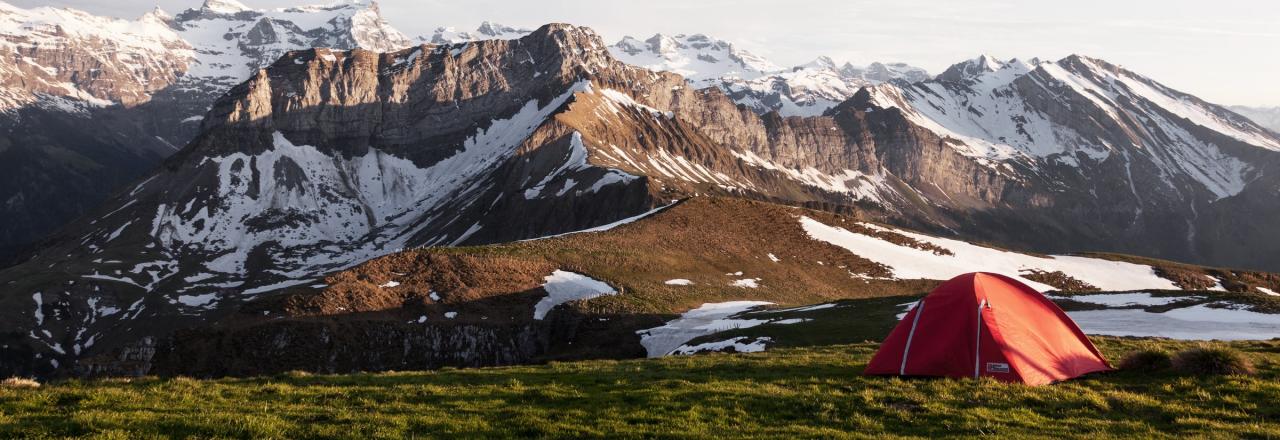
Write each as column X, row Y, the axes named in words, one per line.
column 787, row 393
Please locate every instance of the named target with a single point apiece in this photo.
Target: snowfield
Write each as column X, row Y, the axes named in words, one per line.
column 1222, row 321
column 911, row 263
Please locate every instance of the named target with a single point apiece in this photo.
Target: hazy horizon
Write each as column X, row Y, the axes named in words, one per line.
column 1181, row 43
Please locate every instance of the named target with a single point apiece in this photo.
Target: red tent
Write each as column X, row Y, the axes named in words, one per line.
column 984, row 324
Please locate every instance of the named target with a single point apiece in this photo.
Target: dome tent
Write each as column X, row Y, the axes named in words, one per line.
column 984, row 324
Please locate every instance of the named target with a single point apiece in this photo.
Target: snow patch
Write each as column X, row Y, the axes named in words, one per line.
column 197, row 300
column 707, row 319
column 737, row 345
column 563, row 286
column 39, row 313
column 911, row 263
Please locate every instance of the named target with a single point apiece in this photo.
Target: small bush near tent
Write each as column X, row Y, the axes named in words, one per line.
column 1204, row 361
column 1148, row 360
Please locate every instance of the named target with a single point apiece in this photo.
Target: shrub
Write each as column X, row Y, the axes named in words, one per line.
column 1212, row 361
column 1148, row 360
column 19, row 382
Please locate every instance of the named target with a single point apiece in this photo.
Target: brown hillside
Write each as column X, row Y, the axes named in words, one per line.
column 703, row 239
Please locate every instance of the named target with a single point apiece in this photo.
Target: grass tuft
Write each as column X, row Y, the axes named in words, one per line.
column 1208, row 360
column 19, row 382
column 296, row 374
column 1147, row 360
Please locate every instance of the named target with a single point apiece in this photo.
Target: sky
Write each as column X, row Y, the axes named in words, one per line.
column 1225, row 51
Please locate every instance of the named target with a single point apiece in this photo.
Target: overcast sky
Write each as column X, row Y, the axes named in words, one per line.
column 1226, row 51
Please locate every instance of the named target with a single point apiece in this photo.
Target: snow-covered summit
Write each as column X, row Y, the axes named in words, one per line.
column 881, row 72
column 699, row 58
column 224, row 6
column 804, row 90
column 971, row 68
column 486, row 31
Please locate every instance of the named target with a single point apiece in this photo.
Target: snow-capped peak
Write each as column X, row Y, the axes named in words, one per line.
column 486, row 31
column 822, row 62
column 698, row 57
column 971, row 68
column 262, row 36
column 499, row 31
column 1027, row 112
column 224, row 6
column 881, row 72
column 156, row 15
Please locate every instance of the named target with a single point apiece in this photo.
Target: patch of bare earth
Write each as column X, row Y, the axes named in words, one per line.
column 1059, row 280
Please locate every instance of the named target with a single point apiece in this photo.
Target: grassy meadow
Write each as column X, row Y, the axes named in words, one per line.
column 805, row 392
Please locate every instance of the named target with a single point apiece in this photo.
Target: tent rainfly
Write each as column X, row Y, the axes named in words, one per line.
column 984, row 324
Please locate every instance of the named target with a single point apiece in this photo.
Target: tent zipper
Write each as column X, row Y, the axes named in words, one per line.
column 902, row 370
column 977, row 343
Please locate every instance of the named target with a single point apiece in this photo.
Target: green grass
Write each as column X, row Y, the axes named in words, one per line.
column 787, row 393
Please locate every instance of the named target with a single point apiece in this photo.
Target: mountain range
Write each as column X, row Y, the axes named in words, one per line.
column 315, row 140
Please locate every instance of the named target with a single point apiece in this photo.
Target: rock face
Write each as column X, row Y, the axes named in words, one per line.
column 97, row 101
column 65, row 52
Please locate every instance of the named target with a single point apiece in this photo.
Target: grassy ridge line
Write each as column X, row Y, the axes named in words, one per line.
column 801, row 392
